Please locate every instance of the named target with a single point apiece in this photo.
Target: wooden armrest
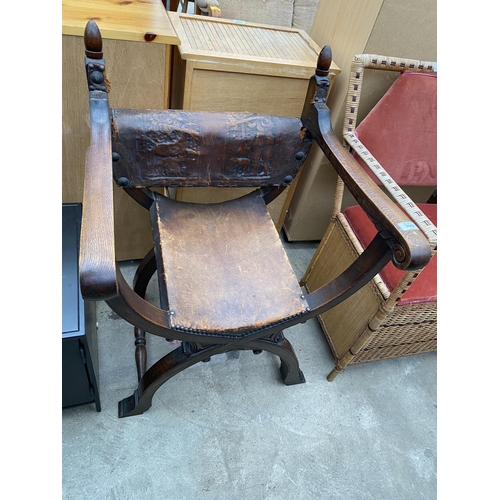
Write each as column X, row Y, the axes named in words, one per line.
column 97, row 250
column 410, row 248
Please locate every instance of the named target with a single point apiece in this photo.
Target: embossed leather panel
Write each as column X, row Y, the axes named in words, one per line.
column 188, row 148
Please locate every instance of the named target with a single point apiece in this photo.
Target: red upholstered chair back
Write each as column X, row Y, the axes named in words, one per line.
column 400, row 131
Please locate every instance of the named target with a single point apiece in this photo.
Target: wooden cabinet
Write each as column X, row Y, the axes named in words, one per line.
column 224, row 65
column 137, row 39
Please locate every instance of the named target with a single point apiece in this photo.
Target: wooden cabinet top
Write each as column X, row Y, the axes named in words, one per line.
column 144, row 20
column 257, row 48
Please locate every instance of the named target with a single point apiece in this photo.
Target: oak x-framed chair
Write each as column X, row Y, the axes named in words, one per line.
column 225, row 282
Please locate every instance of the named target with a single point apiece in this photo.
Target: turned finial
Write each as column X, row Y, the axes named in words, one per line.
column 324, row 61
column 94, row 60
column 93, row 40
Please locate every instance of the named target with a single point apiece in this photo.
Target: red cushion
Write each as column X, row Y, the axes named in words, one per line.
column 400, row 130
column 424, row 288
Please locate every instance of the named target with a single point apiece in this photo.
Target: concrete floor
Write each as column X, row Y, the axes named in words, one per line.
column 230, row 429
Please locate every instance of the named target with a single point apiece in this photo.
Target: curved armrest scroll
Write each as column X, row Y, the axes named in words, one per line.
column 97, row 250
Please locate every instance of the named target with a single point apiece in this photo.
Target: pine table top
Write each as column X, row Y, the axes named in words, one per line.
column 144, row 20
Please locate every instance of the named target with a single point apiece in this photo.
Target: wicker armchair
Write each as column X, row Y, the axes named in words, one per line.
column 396, row 313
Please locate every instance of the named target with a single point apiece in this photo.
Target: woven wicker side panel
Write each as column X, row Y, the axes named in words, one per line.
column 413, row 314
column 395, row 351
column 408, row 330
column 343, row 324
column 393, row 336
